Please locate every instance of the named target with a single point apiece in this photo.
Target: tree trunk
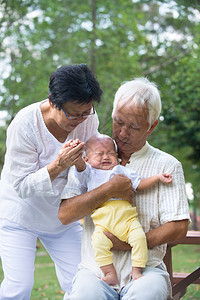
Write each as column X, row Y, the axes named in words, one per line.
column 93, row 44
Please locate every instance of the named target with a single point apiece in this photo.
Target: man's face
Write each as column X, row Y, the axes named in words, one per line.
column 130, row 127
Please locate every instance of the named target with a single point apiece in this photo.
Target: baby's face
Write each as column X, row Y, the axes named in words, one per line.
column 102, row 155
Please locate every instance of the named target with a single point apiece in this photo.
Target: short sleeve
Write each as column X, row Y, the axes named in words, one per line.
column 73, row 187
column 173, row 200
column 83, row 176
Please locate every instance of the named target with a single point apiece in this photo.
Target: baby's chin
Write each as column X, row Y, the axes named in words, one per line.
column 104, row 166
column 107, row 166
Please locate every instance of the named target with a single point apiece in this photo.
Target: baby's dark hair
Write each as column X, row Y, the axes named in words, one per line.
column 73, row 83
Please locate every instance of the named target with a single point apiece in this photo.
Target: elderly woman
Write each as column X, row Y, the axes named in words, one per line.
column 34, row 175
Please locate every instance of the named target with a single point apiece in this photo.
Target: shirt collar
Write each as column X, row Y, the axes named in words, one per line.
column 141, row 152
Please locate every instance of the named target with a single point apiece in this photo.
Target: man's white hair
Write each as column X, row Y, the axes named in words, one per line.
column 142, row 93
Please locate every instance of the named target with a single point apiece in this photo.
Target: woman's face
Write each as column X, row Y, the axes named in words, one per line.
column 74, row 110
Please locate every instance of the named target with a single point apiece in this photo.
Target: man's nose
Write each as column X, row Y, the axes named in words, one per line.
column 124, row 132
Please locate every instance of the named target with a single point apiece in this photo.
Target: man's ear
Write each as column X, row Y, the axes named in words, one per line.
column 85, row 158
column 152, row 127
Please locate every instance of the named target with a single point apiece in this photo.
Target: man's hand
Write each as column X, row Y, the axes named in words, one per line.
column 121, row 187
column 117, row 244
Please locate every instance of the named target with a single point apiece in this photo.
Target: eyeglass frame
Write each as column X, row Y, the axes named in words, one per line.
column 79, row 116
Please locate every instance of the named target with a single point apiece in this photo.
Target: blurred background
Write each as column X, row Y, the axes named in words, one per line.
column 118, row 40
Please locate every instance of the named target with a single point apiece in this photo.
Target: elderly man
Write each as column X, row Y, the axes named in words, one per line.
column 162, row 210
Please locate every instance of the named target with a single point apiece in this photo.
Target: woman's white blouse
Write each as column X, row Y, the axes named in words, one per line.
column 27, row 195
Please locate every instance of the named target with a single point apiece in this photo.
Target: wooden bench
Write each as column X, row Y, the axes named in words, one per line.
column 180, row 281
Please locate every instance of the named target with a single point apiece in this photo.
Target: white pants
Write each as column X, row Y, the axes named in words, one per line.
column 18, row 246
column 154, row 285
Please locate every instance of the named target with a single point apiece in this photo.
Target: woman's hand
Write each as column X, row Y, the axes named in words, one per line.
column 70, row 153
column 68, row 156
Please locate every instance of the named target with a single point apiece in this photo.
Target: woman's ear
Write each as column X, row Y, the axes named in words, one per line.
column 153, row 126
column 51, row 104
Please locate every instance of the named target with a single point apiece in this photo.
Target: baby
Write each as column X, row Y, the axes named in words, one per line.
column 117, row 216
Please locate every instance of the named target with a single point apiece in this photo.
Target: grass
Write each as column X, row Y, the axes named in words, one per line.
column 46, row 285
column 186, row 258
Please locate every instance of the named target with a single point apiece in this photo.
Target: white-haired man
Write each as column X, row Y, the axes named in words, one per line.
column 162, row 210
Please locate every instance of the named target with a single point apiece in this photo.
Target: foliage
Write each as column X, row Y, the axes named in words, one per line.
column 119, row 40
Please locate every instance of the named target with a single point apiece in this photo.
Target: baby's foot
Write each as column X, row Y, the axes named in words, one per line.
column 110, row 278
column 136, row 273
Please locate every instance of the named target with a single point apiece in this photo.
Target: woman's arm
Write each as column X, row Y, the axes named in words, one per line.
column 24, row 170
column 77, row 207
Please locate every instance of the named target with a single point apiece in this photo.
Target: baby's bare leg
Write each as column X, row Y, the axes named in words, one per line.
column 110, row 274
column 136, row 273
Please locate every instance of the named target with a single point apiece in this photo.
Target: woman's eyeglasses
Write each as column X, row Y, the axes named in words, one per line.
column 84, row 115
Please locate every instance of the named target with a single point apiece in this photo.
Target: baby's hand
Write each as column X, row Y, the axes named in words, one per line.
column 80, row 163
column 165, row 178
column 74, row 143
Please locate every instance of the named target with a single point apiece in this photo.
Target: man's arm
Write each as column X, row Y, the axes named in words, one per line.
column 75, row 208
column 164, row 234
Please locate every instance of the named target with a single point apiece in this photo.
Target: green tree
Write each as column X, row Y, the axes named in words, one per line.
column 119, row 40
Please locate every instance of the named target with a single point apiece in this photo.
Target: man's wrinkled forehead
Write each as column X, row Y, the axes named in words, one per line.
column 130, row 108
